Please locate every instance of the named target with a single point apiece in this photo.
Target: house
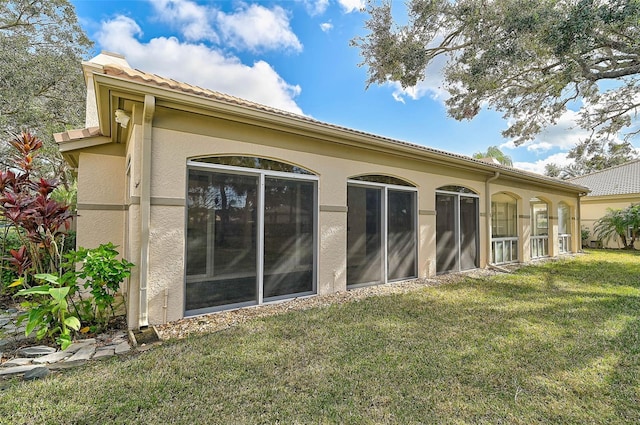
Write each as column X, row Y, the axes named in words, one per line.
column 615, row 188
column 224, row 203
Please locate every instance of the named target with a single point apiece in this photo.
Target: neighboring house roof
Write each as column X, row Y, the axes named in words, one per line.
column 119, row 71
column 619, row 180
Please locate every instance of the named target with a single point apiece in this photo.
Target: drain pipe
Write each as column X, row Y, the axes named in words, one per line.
column 487, row 206
column 145, row 207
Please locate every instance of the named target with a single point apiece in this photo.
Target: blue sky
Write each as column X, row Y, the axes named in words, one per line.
column 295, row 55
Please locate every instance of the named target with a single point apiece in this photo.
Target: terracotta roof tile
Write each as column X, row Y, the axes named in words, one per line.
column 620, row 180
column 76, row 134
column 153, row 79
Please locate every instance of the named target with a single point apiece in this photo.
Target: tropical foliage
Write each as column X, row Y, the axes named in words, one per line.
column 495, row 153
column 620, row 223
column 54, row 301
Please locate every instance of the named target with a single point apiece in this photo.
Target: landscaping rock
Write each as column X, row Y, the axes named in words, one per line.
column 104, row 352
column 84, row 353
column 20, row 361
column 4, row 321
column 123, row 347
column 58, row 356
column 17, row 369
column 37, row 351
column 36, row 373
column 79, row 344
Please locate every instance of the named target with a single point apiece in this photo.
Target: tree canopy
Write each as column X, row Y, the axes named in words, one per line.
column 41, row 47
column 529, row 59
column 590, row 156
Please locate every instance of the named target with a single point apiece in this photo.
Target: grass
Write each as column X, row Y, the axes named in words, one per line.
column 553, row 343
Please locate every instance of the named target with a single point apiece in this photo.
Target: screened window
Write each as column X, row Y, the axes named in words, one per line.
column 250, row 237
column 504, row 216
column 457, row 240
column 381, row 232
column 254, row 162
column 376, row 178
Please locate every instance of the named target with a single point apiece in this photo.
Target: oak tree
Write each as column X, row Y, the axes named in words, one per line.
column 41, row 47
column 532, row 60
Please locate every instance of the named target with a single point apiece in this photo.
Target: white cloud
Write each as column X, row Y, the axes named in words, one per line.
column 564, row 135
column 538, row 166
column 326, row 26
column 316, row 7
column 253, row 27
column 199, row 65
column 352, row 5
column 256, row 27
column 193, row 20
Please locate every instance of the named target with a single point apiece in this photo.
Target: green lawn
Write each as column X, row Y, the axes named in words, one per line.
column 553, row 343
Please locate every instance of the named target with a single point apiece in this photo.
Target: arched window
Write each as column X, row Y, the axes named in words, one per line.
column 381, row 230
column 457, row 189
column 378, row 178
column 251, row 232
column 255, row 163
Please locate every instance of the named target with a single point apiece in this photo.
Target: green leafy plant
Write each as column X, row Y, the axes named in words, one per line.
column 63, row 304
column 584, row 236
column 621, row 223
column 102, row 274
column 48, row 313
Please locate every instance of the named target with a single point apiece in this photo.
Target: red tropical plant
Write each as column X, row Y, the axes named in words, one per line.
column 26, row 203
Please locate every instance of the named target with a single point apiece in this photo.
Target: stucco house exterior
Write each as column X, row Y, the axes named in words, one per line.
column 615, row 188
column 224, row 203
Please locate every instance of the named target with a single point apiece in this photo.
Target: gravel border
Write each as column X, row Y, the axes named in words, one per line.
column 214, row 322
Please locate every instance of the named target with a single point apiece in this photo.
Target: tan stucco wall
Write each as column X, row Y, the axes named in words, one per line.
column 593, row 208
column 100, row 200
column 178, row 137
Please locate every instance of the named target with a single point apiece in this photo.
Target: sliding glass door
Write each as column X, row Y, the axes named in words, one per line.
column 457, row 242
column 381, row 232
column 250, row 237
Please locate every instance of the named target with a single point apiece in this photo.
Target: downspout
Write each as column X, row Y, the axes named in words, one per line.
column 145, row 207
column 487, row 205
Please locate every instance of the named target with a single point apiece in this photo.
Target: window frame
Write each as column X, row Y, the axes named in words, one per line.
column 385, row 228
column 261, row 175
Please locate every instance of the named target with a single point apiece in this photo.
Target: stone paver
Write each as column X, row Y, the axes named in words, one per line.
column 58, row 356
column 36, row 373
column 18, row 361
column 17, row 369
column 104, row 353
column 84, row 353
column 37, row 351
column 123, row 347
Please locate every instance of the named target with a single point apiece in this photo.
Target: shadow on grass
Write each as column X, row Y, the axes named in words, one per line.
column 555, row 343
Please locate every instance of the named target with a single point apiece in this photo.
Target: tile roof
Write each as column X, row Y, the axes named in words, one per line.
column 119, row 71
column 620, row 180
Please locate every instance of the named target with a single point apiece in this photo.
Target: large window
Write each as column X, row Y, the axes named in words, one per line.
column 564, row 227
column 457, row 241
column 504, row 229
column 250, row 236
column 381, row 231
column 539, row 240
